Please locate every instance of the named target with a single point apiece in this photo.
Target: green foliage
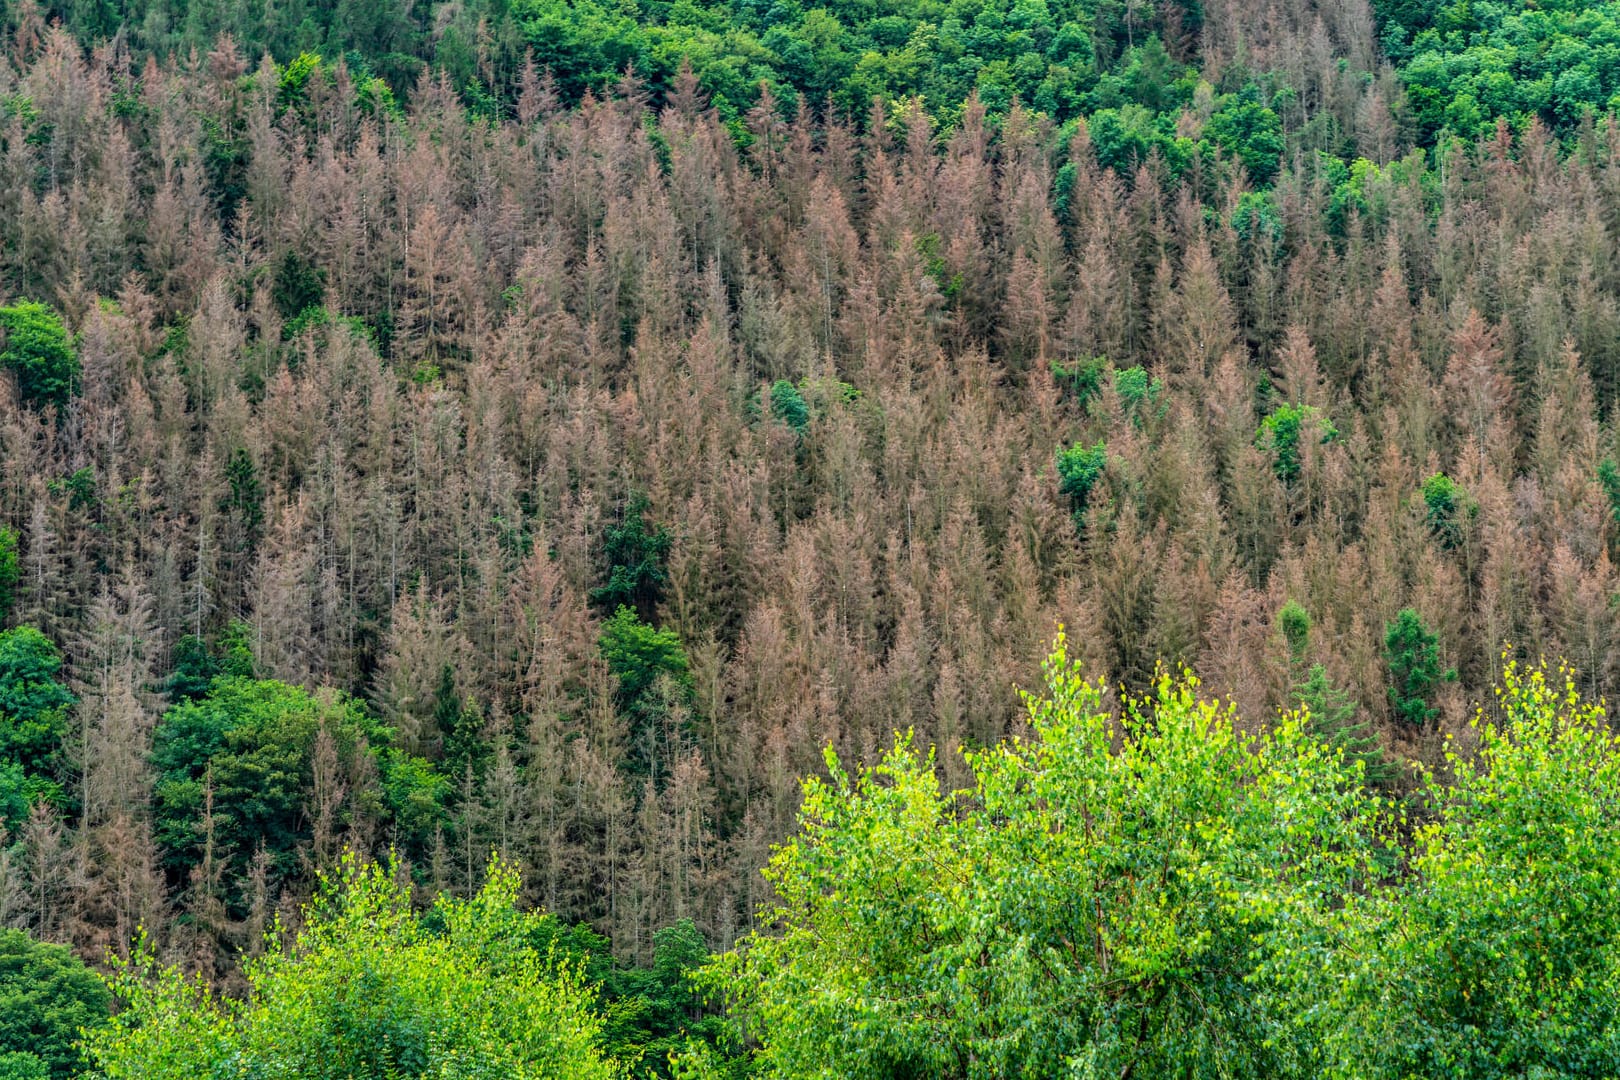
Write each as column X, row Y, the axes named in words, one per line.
column 10, row 571
column 1244, row 128
column 1467, row 63
column 299, row 286
column 1257, row 220
column 1411, row 651
column 307, row 319
column 369, row 989
column 17, row 796
column 236, row 650
column 1608, row 474
column 788, row 406
column 194, row 669
column 79, row 486
column 1142, row 397
column 244, row 498
column 1295, row 624
column 415, row 795
column 1083, row 379
column 652, row 672
column 33, row 703
column 1440, row 495
column 1079, row 468
column 1495, row 955
column 46, row 996
column 460, row 728
column 798, row 404
column 1280, row 434
column 646, row 1012
column 35, row 348
column 1128, row 137
column 1106, row 900
column 248, row 746
column 294, row 81
column 634, row 553
column 1448, row 509
column 935, row 266
column 1331, row 716
column 225, row 154
column 1041, row 52
column 664, row 1004
column 23, row 1065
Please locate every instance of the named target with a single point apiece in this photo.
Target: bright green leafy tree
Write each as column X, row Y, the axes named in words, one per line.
column 1244, row 128
column 653, row 674
column 10, row 571
column 369, row 989
column 1140, row 395
column 1106, row 900
column 23, row 1065
column 249, row 744
column 1466, row 63
column 33, row 721
column 31, row 697
column 1495, row 956
column 1079, row 468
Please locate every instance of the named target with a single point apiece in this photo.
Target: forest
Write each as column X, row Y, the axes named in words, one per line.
column 532, row 536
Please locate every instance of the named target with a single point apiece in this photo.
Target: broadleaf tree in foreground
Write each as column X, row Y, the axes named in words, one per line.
column 1152, row 891
column 369, row 988
column 1113, row 896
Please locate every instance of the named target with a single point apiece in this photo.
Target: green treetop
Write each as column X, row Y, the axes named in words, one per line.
column 1494, row 956
column 1411, row 650
column 369, row 989
column 46, row 996
column 1105, row 900
column 1281, row 433
column 35, row 348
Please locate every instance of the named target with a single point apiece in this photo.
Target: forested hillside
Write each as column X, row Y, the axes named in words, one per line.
column 546, row 428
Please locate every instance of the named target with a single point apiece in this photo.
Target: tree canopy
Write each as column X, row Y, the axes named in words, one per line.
column 46, row 996
column 368, row 987
column 1154, row 891
column 35, row 348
